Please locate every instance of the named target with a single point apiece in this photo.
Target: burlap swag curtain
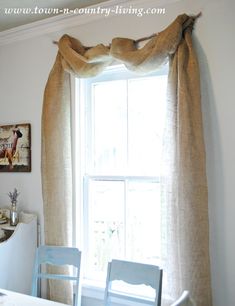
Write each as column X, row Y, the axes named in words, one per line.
column 184, row 188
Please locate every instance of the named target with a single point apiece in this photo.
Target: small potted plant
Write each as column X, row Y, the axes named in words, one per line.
column 13, row 211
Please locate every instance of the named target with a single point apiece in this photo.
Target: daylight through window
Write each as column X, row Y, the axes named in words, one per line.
column 120, row 119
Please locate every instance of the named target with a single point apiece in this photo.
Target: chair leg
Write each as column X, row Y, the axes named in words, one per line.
column 74, row 297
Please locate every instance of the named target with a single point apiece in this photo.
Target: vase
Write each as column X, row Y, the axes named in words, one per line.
column 13, row 215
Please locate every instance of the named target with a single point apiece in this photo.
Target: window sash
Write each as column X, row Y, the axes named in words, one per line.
column 126, row 180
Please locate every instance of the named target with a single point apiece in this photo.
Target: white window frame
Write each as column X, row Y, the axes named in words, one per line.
column 80, row 88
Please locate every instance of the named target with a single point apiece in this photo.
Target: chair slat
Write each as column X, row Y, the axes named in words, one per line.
column 57, row 276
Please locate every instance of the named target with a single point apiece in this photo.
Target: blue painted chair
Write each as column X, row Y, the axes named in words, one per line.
column 132, row 273
column 57, row 256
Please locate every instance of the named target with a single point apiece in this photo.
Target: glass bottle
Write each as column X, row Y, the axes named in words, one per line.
column 13, row 215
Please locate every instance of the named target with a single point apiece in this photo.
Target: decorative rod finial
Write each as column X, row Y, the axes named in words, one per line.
column 198, row 15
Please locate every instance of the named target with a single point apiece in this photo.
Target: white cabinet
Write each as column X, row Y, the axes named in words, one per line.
column 17, row 255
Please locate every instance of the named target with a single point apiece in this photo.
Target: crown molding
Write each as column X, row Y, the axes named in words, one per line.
column 62, row 22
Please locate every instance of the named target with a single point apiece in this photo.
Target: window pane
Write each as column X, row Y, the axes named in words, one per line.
column 143, row 226
column 109, row 127
column 106, row 224
column 146, row 106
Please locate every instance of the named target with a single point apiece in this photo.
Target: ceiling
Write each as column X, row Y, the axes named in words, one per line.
column 9, row 21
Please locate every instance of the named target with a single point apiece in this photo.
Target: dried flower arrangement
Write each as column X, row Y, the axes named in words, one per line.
column 13, row 196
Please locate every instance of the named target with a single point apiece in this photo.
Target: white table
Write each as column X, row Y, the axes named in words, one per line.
column 18, row 299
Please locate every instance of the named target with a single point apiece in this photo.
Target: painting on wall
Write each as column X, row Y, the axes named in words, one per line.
column 15, row 148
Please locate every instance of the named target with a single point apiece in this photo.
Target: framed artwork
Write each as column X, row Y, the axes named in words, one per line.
column 15, row 148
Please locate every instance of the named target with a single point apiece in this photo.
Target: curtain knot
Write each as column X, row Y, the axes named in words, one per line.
column 87, row 62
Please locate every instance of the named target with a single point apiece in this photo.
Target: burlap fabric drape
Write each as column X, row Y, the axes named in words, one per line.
column 186, row 247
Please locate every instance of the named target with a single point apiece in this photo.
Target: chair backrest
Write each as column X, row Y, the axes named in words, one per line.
column 57, row 256
column 134, row 274
column 183, row 300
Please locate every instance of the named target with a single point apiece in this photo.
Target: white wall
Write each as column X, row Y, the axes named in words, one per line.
column 24, row 67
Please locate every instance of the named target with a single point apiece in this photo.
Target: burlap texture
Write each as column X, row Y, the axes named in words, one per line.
column 184, row 186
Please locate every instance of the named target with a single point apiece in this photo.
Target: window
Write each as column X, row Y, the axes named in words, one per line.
column 120, row 125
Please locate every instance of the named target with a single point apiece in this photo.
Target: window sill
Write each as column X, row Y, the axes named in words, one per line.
column 92, row 289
